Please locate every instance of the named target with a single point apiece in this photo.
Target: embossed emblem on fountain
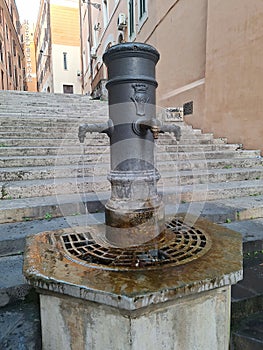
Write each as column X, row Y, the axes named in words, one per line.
column 140, row 98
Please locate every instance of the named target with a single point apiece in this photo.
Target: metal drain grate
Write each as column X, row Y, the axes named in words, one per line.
column 178, row 244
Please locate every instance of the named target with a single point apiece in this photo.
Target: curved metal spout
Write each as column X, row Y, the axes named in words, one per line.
column 156, row 127
column 176, row 130
column 106, row 128
column 144, row 124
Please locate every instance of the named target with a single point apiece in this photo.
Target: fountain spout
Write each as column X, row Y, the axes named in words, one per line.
column 106, row 128
column 176, row 130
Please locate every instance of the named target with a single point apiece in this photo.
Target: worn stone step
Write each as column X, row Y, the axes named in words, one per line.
column 69, row 127
column 93, row 149
column 251, row 226
column 101, row 162
column 242, row 214
column 65, row 159
column 212, row 191
column 90, row 140
column 51, row 187
column 8, row 121
column 247, row 295
column 42, row 118
column 200, row 148
column 59, row 205
column 169, row 152
column 20, row 325
column 249, row 334
column 13, row 286
column 13, row 235
column 92, row 168
column 54, row 134
column 35, row 182
column 44, row 151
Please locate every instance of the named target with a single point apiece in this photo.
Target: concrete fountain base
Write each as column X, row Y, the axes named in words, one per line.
column 183, row 306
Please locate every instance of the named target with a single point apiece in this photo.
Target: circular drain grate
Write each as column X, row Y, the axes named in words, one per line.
column 177, row 244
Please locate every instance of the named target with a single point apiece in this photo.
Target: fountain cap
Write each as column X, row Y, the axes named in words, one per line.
column 129, row 49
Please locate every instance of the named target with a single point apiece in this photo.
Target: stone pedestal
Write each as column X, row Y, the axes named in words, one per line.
column 182, row 307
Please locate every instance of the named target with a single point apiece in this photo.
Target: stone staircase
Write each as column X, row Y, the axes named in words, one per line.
column 49, row 181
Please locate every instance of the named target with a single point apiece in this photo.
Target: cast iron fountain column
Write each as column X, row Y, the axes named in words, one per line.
column 135, row 213
column 134, row 206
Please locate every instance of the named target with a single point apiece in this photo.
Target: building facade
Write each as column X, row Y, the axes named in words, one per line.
column 11, row 52
column 30, row 58
column 210, row 57
column 57, row 46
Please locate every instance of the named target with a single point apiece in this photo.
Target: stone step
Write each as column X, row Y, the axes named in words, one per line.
column 32, row 96
column 13, row 286
column 242, row 214
column 83, row 169
column 49, row 121
column 35, row 208
column 85, row 180
column 41, row 141
column 101, row 163
column 251, row 227
column 59, row 205
column 13, row 235
column 93, row 149
column 34, row 124
column 54, row 134
column 249, row 334
column 104, row 157
column 247, row 295
column 212, row 191
column 42, row 118
column 66, row 108
column 20, row 325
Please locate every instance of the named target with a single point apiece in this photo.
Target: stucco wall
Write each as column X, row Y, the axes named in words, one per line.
column 234, row 71
column 69, row 76
column 178, row 31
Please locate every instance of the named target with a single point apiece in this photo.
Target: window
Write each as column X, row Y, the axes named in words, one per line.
column 9, row 65
column 68, row 89
column 6, row 31
column 142, row 9
column 16, row 79
column 142, row 13
column 131, row 19
column 2, row 79
column 105, row 12
column 14, row 48
column 65, row 62
column 1, row 51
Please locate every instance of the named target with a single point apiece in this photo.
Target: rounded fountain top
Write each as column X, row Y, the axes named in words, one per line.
column 130, row 49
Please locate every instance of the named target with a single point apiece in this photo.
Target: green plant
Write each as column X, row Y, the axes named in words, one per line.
column 228, row 221
column 2, row 145
column 26, row 218
column 48, row 216
column 227, row 167
column 4, row 193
